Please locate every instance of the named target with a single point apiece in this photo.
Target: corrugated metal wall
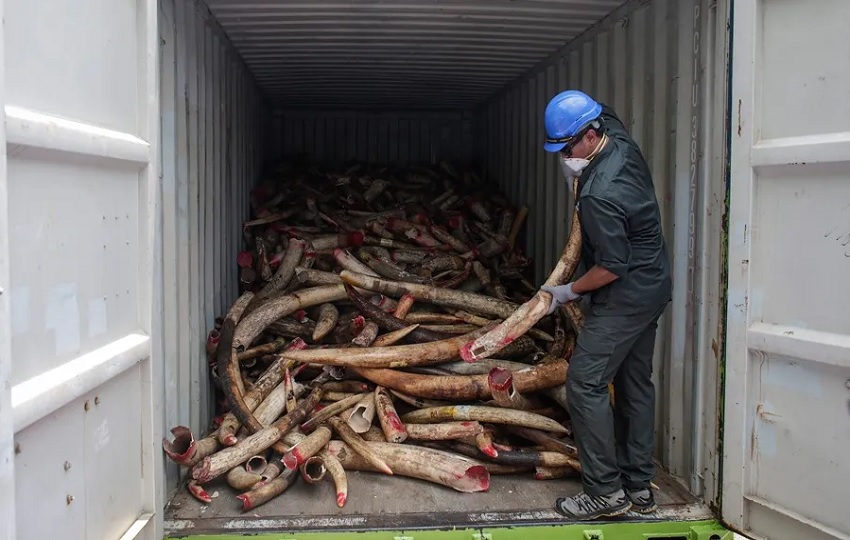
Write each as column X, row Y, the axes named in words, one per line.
column 211, row 154
column 648, row 60
column 630, row 62
column 405, row 54
column 379, row 137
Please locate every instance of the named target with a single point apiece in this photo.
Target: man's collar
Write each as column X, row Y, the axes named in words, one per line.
column 588, row 171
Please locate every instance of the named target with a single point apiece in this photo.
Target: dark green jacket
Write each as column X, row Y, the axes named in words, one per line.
column 621, row 226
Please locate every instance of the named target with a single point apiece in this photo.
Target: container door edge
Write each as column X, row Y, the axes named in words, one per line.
column 787, row 374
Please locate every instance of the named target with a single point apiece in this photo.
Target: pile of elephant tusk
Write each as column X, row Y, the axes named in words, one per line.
column 386, row 324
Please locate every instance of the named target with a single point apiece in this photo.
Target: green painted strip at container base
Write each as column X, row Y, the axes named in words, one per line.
column 667, row 530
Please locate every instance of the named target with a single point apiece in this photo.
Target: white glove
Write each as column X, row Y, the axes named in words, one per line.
column 561, row 294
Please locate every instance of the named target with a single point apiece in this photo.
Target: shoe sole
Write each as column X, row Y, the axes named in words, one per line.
column 608, row 513
column 644, row 509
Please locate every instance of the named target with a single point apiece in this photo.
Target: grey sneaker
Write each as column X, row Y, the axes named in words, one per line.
column 585, row 507
column 642, row 500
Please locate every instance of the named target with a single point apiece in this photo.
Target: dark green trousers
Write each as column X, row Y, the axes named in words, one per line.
column 615, row 446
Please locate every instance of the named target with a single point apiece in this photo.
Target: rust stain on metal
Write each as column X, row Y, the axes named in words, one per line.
column 765, row 415
column 739, row 118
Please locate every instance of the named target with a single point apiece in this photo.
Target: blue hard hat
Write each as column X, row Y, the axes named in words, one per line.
column 566, row 115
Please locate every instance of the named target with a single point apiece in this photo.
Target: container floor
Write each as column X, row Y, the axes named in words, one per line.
column 379, row 502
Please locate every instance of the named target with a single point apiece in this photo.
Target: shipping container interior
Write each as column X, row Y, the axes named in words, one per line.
column 246, row 83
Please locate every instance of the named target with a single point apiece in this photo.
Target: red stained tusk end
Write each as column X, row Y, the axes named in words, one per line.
column 297, row 344
column 245, row 259
column 340, row 499
column 230, row 440
column 246, row 502
column 356, row 238
column 480, row 475
column 291, row 460
column 468, row 354
column 199, row 492
column 500, row 378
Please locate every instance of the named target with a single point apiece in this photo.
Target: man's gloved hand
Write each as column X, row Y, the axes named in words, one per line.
column 561, row 294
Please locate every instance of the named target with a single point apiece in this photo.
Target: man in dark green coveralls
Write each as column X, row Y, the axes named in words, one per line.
column 627, row 280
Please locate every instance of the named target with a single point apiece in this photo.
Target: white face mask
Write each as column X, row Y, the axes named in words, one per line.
column 573, row 166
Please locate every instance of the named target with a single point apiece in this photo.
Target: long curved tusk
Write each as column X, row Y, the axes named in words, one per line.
column 530, row 313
